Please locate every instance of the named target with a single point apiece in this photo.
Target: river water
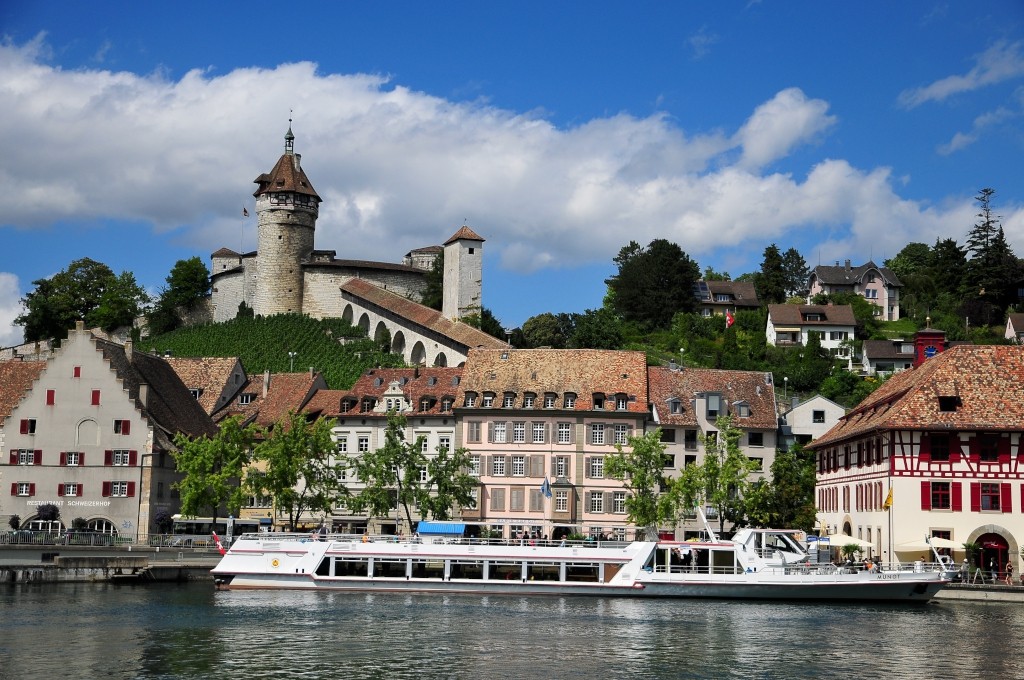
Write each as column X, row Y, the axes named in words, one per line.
column 191, row 631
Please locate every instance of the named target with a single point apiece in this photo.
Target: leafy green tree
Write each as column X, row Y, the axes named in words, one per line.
column 293, row 466
column 547, row 330
column 711, row 275
column 653, row 283
column 912, row 259
column 394, row 473
column 187, row 284
column 771, row 282
column 948, row 266
column 487, row 322
column 212, row 468
column 87, row 290
column 797, row 273
column 48, row 512
column 720, row 481
column 596, row 329
column 640, row 466
column 433, row 293
column 787, row 500
column 848, row 388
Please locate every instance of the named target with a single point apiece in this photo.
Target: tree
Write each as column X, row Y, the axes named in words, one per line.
column 80, row 292
column 771, row 282
column 213, row 469
column 14, row 522
column 293, row 466
column 187, row 284
column 596, row 329
column 487, row 322
column 641, row 469
column 788, row 499
column 433, row 292
column 400, row 472
column 547, row 330
column 912, row 259
column 48, row 512
column 720, row 480
column 797, row 273
column 653, row 284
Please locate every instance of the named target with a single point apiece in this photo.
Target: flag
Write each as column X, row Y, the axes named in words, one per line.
column 545, row 488
column 245, row 211
column 217, row 541
column 729, row 319
column 888, row 500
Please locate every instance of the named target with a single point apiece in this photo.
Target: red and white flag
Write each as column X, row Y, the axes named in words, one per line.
column 729, row 319
column 217, row 541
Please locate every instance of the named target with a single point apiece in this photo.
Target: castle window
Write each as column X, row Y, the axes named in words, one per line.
column 549, row 400
column 508, row 400
column 488, row 399
column 471, row 250
column 528, row 399
column 570, row 400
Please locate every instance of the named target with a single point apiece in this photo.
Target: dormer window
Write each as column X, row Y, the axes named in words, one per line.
column 196, row 393
column 470, row 399
column 714, row 405
column 948, row 404
column 426, row 403
column 446, row 404
column 549, row 399
column 598, row 400
column 345, row 406
column 675, row 406
column 528, row 399
column 488, row 399
column 570, row 400
column 367, row 404
column 621, row 402
column 508, row 400
column 743, row 410
column 245, row 399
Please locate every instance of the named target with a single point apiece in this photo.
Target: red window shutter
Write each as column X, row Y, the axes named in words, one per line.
column 51, row 397
column 1004, row 449
column 126, row 427
column 77, row 372
column 926, row 495
column 131, row 489
column 81, row 458
column 24, row 425
column 108, row 457
column 974, row 448
column 95, row 397
column 14, row 488
column 79, row 489
column 60, row 489
column 14, row 457
column 955, row 449
column 926, row 447
column 1005, row 497
column 133, row 457
column 37, row 457
column 63, row 458
column 106, row 489
column 32, row 489
column 975, row 496
column 957, row 500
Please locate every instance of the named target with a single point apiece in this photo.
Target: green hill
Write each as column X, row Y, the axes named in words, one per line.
column 338, row 350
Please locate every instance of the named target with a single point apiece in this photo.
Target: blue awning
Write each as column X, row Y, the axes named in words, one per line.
column 265, row 520
column 441, row 528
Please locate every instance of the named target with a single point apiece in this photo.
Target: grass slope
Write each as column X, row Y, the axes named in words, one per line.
column 340, row 351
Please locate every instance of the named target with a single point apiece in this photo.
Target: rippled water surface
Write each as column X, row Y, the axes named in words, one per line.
column 169, row 631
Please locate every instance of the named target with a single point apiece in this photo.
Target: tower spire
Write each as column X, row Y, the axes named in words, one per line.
column 289, row 138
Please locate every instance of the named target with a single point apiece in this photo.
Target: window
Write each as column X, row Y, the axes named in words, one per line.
column 76, row 372
column 940, row 496
column 488, row 399
column 549, row 400
column 939, row 442
column 118, row 489
column 123, row 427
column 714, row 405
column 538, row 433
column 518, row 433
column 597, row 433
column 121, row 457
column 690, row 440
column 988, row 447
column 948, row 404
column 621, row 402
column 28, row 426
column 24, row 489
column 598, row 401
column 51, row 397
column 561, row 501
column 499, row 432
column 474, row 465
column 675, row 406
column 621, row 433
column 517, row 499
column 619, row 503
column 668, row 460
column 596, row 503
column 755, row 438
column 838, row 335
column 597, row 467
column 25, row 457
column 474, row 499
column 518, row 466
column 245, row 399
column 73, row 458
column 743, row 410
column 446, row 404
column 871, row 293
column 497, row 466
column 342, row 445
column 570, row 400
column 470, row 399
column 425, row 404
column 473, row 431
column 508, row 401
column 757, row 463
column 561, row 466
column 95, row 400
column 668, row 435
column 989, row 496
column 444, row 442
column 69, row 489
column 424, row 441
column 528, row 399
column 564, row 433
column 818, row 416
column 364, row 444
column 424, row 477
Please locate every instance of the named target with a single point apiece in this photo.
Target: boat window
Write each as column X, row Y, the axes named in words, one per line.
column 467, row 569
column 506, row 571
column 542, row 571
column 388, row 568
column 581, row 571
column 351, row 567
column 724, row 562
column 324, row 568
column 428, row 568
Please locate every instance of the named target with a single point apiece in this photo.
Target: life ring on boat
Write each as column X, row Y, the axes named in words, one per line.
column 274, row 562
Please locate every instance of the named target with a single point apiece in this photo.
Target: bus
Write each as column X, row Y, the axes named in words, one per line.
column 197, row 531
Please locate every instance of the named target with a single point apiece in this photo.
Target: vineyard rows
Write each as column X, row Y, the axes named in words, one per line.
column 338, row 350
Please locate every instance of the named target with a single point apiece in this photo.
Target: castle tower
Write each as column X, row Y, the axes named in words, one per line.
column 287, row 207
column 463, row 274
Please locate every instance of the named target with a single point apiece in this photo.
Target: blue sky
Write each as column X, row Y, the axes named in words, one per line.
column 558, row 131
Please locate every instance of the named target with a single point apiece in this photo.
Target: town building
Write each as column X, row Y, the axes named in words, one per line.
column 715, row 298
column 878, row 285
column 215, row 382
column 881, row 357
column 92, row 434
column 804, row 421
column 1015, row 327
column 936, row 451
column 792, row 325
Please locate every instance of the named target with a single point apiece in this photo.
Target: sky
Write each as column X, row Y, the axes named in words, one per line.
column 131, row 132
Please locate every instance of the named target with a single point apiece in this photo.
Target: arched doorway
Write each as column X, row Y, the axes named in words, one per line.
column 995, row 552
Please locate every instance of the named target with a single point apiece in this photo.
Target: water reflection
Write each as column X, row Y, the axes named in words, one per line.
column 192, row 631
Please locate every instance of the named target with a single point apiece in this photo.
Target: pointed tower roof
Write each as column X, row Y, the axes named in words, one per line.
column 288, row 174
column 464, row 234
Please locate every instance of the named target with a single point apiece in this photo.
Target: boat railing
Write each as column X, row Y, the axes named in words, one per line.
column 433, row 539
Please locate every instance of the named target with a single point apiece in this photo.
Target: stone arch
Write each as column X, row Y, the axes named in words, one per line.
column 381, row 334
column 87, row 433
column 398, row 343
column 418, row 356
column 996, row 543
column 348, row 314
column 440, row 360
column 364, row 323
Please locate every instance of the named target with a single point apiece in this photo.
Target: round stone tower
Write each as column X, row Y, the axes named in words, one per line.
column 287, row 207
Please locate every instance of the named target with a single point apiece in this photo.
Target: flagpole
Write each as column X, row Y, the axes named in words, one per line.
column 888, row 510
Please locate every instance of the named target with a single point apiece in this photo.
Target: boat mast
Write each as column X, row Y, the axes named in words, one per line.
column 712, row 537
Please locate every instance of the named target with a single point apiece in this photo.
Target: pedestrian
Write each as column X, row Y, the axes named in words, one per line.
column 1009, row 573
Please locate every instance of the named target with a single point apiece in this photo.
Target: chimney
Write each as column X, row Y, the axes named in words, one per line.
column 847, row 265
column 80, row 326
column 298, row 161
column 144, row 394
column 266, row 381
column 128, row 348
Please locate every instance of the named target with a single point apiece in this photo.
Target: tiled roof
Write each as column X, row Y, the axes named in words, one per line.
column 285, row 392
column 1016, row 320
column 414, row 383
column 793, row 315
column 847, row 277
column 582, row 372
column 886, row 349
column 987, row 379
column 285, row 177
column 209, row 374
column 427, row 249
column 743, row 293
column 170, row 405
column 415, row 313
column 16, row 379
column 753, row 387
column 363, row 264
column 464, row 234
column 225, row 252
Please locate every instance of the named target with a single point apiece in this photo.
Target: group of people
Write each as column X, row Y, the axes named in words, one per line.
column 993, row 570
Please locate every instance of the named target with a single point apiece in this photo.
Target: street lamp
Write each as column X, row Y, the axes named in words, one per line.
column 291, row 361
column 785, row 388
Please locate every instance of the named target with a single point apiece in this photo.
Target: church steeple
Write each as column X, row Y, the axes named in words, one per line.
column 289, row 140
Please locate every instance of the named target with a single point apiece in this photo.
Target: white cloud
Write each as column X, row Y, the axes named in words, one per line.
column 701, row 42
column 1003, row 61
column 962, row 140
column 400, row 169
column 10, row 307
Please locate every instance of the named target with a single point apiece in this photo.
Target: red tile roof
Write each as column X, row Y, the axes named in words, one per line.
column 434, row 383
column 465, row 234
column 286, row 176
column 16, row 378
column 753, row 387
column 209, row 374
column 987, row 379
column 793, row 315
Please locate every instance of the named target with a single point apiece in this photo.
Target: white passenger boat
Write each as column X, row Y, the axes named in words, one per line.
column 755, row 564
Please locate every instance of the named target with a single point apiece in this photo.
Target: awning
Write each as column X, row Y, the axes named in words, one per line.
column 440, row 528
column 266, row 521
column 936, row 543
column 781, row 329
column 839, row 540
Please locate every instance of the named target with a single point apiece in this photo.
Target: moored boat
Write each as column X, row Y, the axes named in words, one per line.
column 755, row 564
